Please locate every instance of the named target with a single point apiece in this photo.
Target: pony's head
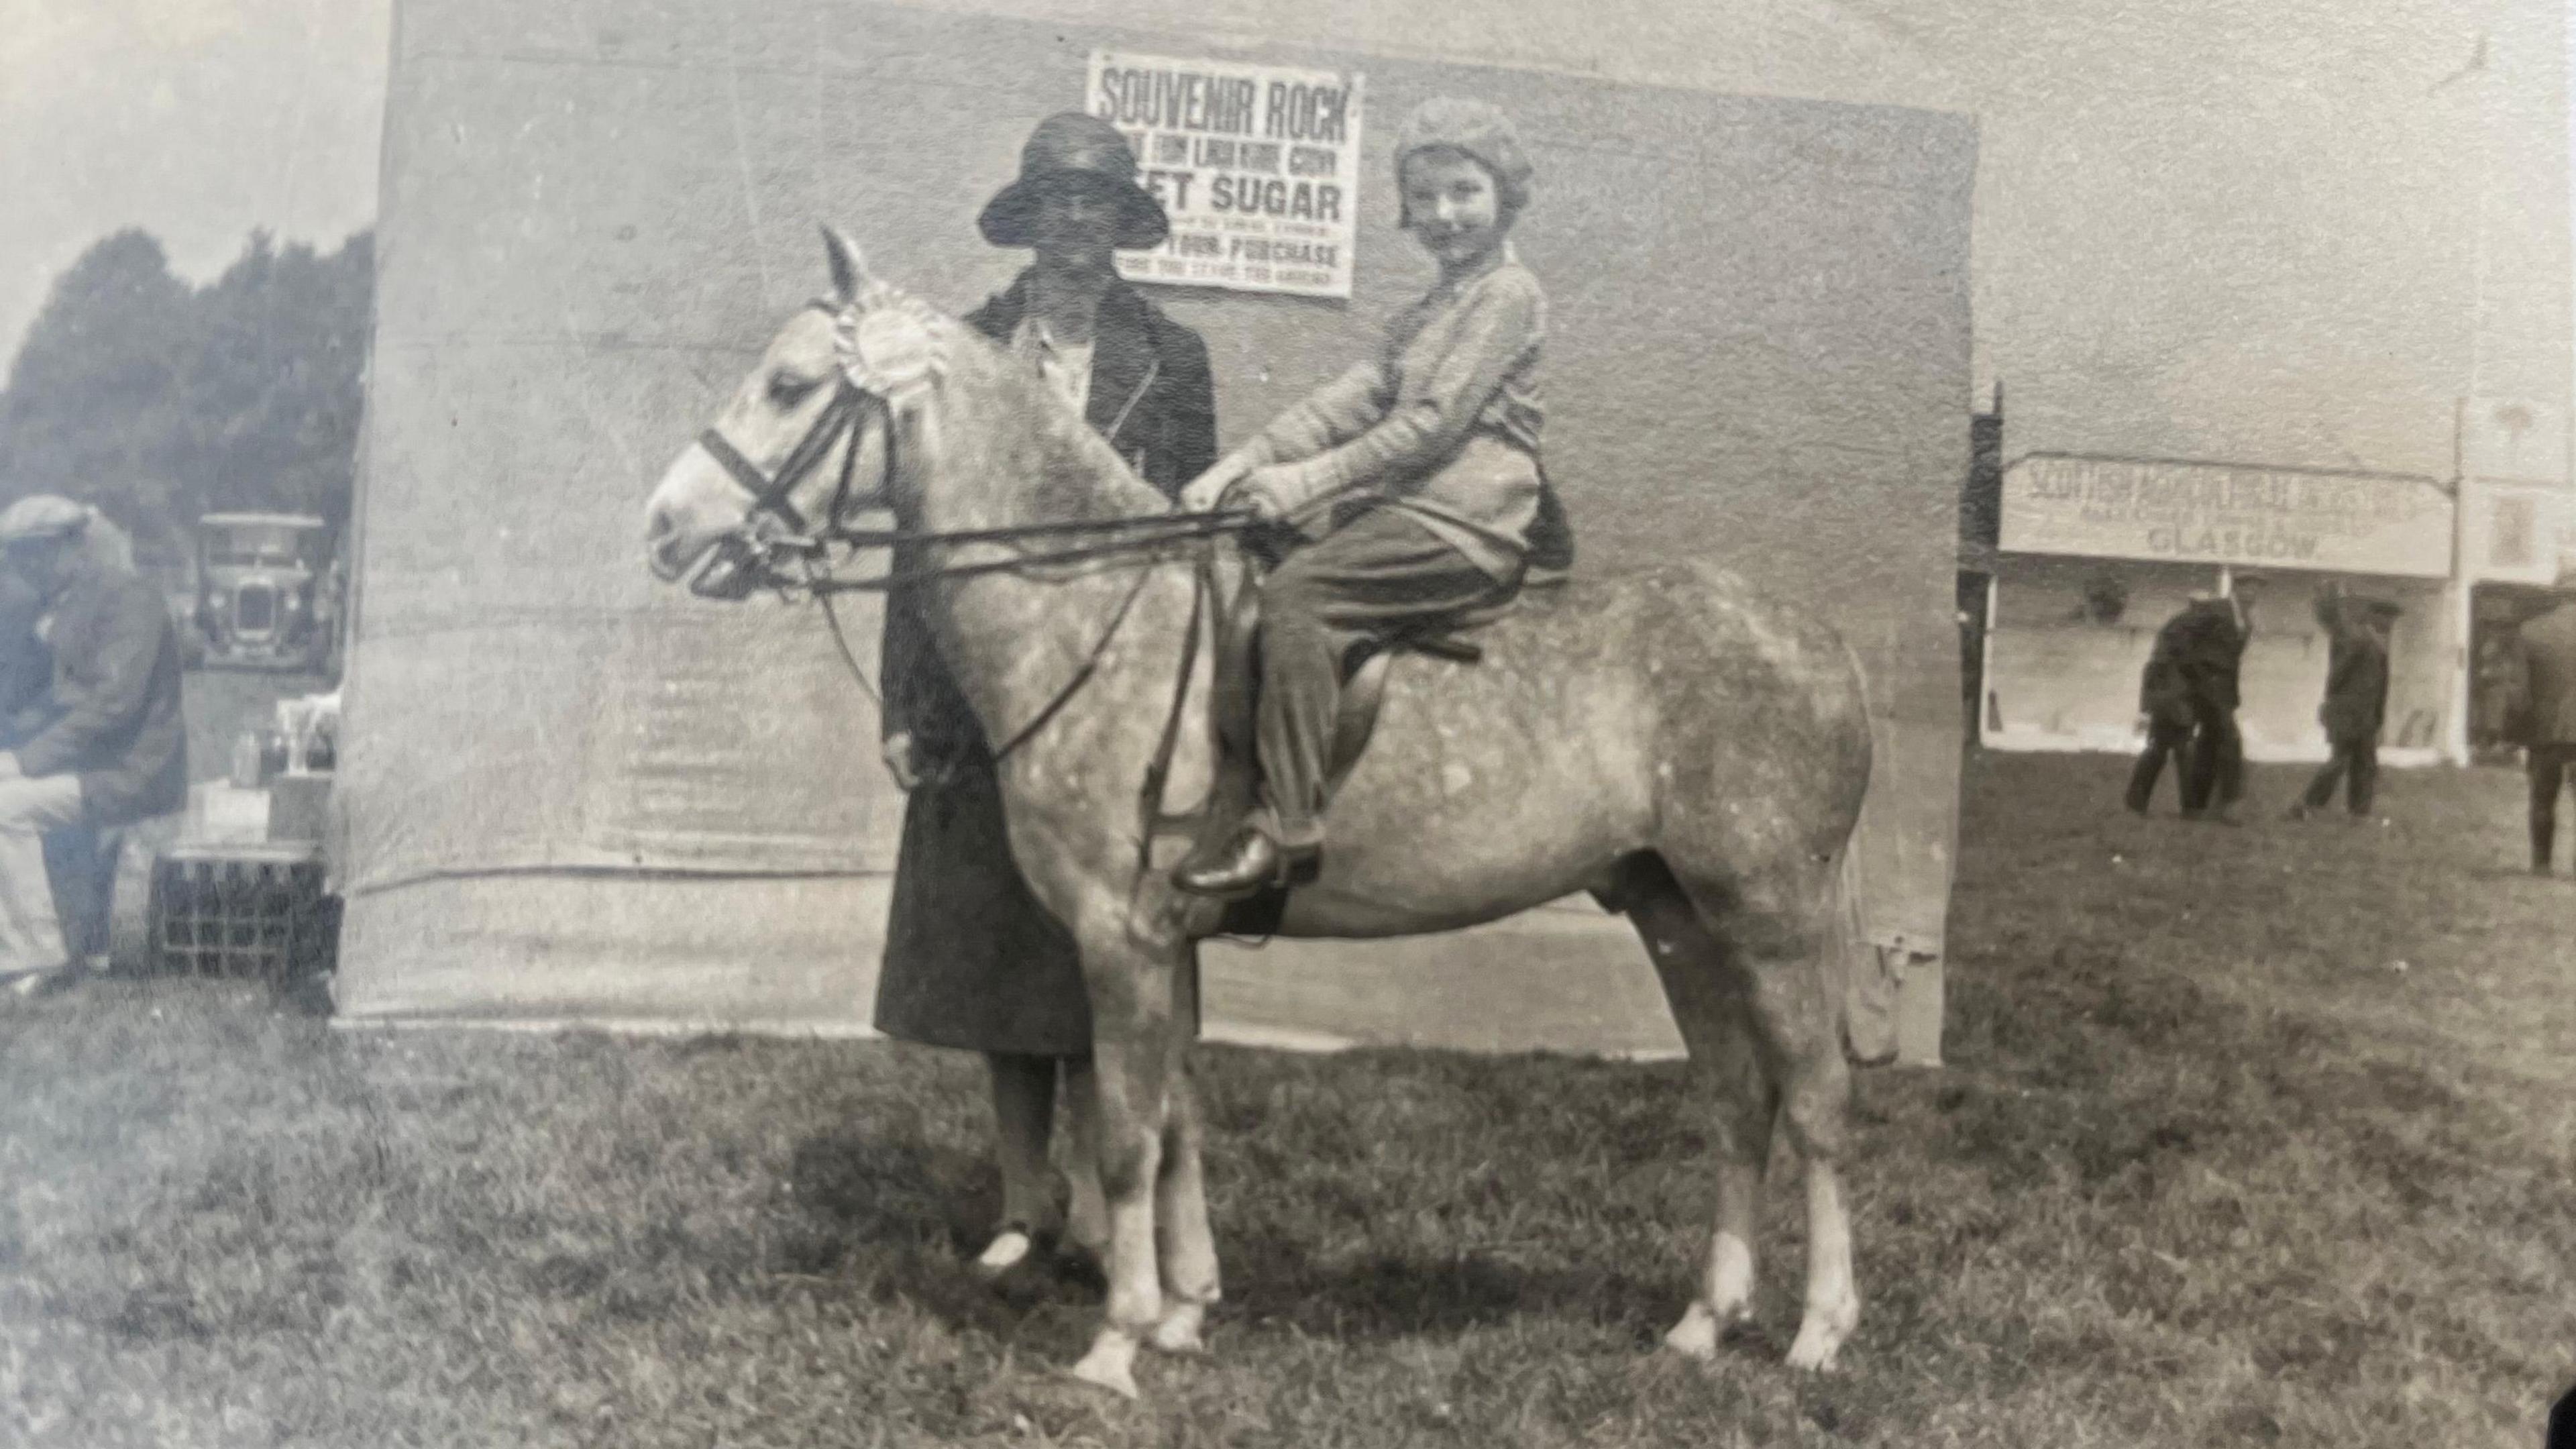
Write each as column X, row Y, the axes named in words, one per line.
column 805, row 440
column 869, row 399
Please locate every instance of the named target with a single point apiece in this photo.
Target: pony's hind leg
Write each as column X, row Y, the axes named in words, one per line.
column 1709, row 1003
column 1778, row 936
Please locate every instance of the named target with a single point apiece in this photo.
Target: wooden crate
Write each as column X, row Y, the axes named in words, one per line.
column 242, row 910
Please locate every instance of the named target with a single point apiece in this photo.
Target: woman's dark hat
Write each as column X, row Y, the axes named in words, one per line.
column 1072, row 148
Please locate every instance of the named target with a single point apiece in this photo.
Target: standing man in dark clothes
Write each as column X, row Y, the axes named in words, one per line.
column 2545, row 686
column 2356, row 704
column 2166, row 706
column 113, row 747
column 2209, row 650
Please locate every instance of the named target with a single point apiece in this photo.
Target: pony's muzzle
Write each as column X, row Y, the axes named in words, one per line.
column 663, row 545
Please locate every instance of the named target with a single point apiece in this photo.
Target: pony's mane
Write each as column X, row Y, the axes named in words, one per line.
column 1025, row 435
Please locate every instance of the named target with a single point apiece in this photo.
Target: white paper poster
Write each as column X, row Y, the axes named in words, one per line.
column 1257, row 166
column 2190, row 512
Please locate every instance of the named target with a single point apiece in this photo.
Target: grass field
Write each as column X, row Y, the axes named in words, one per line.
column 2249, row 1136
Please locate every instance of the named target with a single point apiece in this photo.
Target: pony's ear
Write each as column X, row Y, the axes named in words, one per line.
column 849, row 273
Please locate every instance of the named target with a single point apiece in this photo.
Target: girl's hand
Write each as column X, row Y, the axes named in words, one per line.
column 1273, row 499
column 1203, row 493
column 1259, row 492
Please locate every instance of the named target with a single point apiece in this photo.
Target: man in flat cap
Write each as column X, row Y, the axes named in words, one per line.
column 2356, row 703
column 112, row 745
column 2545, row 690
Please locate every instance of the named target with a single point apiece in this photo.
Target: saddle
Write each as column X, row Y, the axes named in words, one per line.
column 1238, row 672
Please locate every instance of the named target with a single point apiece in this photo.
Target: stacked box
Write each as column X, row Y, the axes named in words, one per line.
column 242, row 911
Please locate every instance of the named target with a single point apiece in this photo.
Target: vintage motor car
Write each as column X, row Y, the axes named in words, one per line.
column 266, row 591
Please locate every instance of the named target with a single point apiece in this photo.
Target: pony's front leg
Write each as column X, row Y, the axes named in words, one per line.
column 1188, row 1248
column 1135, row 1056
column 1189, row 1266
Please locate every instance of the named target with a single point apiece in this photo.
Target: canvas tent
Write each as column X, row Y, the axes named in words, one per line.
column 572, row 794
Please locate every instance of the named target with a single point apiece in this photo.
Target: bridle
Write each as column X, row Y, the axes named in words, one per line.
column 772, row 496
column 759, row 552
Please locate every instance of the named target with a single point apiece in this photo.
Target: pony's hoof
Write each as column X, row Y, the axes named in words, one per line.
column 1110, row 1365
column 1819, row 1339
column 1180, row 1330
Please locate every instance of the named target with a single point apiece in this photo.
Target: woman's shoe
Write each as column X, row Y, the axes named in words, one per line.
column 1012, row 1246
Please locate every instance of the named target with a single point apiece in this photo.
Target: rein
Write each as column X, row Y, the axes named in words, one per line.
column 822, row 587
column 1157, row 530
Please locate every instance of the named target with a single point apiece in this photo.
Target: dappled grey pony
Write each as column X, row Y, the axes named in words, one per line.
column 1694, row 755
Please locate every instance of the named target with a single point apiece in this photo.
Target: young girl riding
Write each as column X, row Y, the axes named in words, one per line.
column 1413, row 481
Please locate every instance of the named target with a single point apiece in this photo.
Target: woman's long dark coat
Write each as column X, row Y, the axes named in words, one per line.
column 972, row 960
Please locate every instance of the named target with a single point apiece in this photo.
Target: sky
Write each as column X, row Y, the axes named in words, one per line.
column 195, row 119
column 2289, row 231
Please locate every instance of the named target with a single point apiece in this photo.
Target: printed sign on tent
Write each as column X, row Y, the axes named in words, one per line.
column 1257, row 165
column 2188, row 512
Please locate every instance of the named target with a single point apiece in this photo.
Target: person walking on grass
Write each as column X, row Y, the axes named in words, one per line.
column 2188, row 695
column 2165, row 707
column 2356, row 703
column 111, row 746
column 972, row 960
column 2209, row 654
column 2545, row 707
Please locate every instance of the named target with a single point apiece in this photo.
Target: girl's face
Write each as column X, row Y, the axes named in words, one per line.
column 1453, row 206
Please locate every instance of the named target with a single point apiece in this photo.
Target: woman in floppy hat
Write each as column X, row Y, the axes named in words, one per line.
column 972, row 960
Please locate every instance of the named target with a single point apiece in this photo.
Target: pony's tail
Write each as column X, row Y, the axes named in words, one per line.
column 1868, row 970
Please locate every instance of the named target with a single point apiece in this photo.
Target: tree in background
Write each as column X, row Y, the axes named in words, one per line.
column 276, row 386
column 94, row 409
column 158, row 402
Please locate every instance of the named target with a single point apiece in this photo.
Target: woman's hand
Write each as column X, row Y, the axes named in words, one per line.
column 1203, row 493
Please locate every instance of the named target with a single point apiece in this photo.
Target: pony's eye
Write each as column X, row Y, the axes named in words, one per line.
column 787, row 389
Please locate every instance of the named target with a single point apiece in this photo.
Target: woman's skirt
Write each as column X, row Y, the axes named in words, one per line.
column 972, row 960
